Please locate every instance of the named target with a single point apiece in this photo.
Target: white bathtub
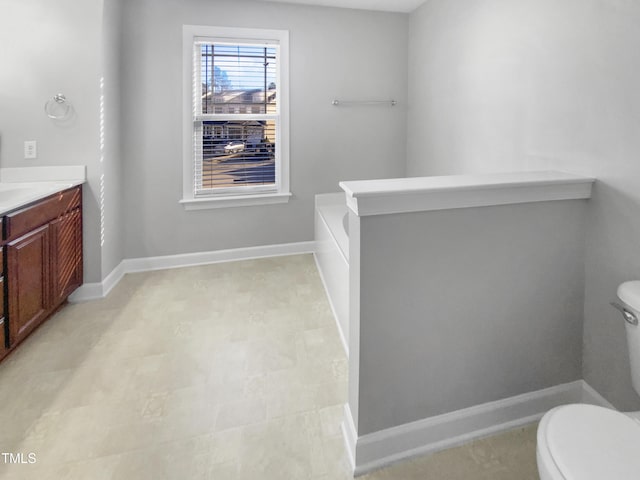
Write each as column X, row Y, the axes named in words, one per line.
column 332, row 256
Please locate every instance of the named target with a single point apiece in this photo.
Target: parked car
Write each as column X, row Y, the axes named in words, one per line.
column 234, row 147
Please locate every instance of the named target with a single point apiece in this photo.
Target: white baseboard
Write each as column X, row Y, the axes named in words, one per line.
column 218, row 256
column 86, row 292
column 343, row 339
column 378, row 449
column 92, row 291
column 592, row 396
column 350, row 435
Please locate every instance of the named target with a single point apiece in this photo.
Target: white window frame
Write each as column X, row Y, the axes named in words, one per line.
column 281, row 193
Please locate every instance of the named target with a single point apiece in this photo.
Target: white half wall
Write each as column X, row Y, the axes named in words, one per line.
column 464, row 306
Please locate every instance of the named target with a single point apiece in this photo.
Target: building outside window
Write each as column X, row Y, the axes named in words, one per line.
column 236, row 133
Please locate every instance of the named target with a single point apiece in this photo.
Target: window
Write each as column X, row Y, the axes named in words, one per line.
column 236, row 117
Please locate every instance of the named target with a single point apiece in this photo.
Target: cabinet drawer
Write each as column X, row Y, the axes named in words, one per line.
column 22, row 221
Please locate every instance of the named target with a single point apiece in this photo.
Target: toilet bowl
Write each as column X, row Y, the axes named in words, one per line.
column 588, row 442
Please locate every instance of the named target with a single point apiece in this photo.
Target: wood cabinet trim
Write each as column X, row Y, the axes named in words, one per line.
column 4, row 348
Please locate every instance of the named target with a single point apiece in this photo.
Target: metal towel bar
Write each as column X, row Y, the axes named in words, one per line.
column 337, row 102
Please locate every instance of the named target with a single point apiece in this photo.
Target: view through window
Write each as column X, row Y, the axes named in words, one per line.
column 236, row 117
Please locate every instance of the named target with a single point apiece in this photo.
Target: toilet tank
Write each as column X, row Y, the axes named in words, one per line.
column 629, row 293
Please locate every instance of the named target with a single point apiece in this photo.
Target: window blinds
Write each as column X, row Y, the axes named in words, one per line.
column 235, row 116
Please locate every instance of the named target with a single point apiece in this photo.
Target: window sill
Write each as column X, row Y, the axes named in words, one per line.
column 234, row 201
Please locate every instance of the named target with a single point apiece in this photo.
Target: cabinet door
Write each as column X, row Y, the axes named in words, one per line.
column 66, row 255
column 28, row 282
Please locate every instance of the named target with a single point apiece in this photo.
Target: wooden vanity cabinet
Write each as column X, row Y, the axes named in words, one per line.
column 43, row 244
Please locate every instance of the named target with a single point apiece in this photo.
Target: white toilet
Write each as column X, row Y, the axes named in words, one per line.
column 586, row 442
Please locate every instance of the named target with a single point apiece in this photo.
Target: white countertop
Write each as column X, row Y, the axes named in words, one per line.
column 412, row 194
column 21, row 186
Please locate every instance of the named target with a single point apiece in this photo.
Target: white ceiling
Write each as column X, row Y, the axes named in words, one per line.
column 385, row 5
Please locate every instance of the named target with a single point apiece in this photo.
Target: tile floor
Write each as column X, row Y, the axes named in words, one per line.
column 228, row 371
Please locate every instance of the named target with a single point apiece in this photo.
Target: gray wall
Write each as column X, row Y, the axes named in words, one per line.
column 466, row 306
column 341, row 53
column 57, row 47
column 541, row 84
column 112, row 233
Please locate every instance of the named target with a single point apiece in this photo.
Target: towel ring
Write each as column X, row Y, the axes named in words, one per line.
column 57, row 107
